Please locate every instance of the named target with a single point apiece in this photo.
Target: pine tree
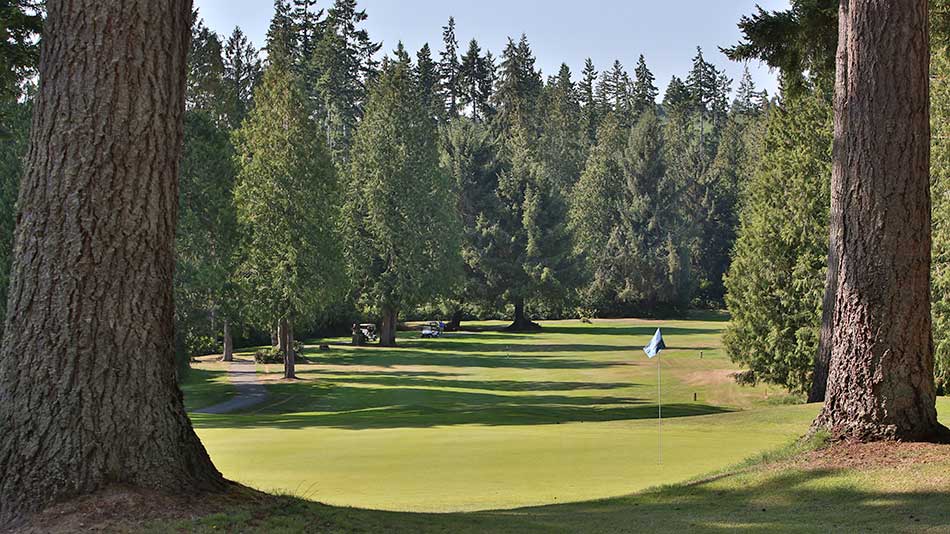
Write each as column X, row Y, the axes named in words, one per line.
column 287, row 204
column 619, row 216
column 473, row 81
column 748, row 101
column 676, row 100
column 401, row 227
column 19, row 55
column 12, row 150
column 470, row 157
column 644, row 91
column 800, row 42
column 282, row 36
column 205, row 79
column 344, row 61
column 427, row 79
column 206, row 237
column 590, row 114
column 486, row 87
column 940, row 180
column 517, row 90
column 242, row 71
column 776, row 279
column 562, row 144
column 449, row 68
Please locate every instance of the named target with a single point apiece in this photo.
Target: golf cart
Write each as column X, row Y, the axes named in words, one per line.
column 363, row 333
column 433, row 329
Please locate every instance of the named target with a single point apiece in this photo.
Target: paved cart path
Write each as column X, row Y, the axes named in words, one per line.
column 250, row 390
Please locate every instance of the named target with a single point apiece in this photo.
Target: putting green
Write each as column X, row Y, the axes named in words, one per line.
column 490, row 420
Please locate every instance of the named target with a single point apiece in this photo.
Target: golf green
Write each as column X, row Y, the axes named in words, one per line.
column 486, row 419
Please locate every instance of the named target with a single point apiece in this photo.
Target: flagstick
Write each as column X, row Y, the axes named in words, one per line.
column 659, row 419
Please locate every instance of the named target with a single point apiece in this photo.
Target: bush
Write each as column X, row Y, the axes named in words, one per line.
column 274, row 355
column 269, row 355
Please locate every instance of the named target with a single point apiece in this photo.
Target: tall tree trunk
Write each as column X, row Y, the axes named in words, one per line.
column 455, row 323
column 228, row 343
column 87, row 373
column 286, row 348
column 822, row 363
column 521, row 323
column 387, row 333
column 881, row 382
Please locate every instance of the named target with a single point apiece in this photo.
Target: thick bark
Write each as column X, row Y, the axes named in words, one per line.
column 822, row 363
column 87, row 374
column 387, row 330
column 285, row 338
column 228, row 343
column 521, row 323
column 880, row 383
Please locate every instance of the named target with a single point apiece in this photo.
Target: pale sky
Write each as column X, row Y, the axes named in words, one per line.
column 666, row 32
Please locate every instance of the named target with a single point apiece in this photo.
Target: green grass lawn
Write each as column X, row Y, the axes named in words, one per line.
column 490, row 420
column 777, row 494
column 206, row 384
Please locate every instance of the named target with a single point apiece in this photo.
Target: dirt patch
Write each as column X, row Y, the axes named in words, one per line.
column 126, row 509
column 853, row 455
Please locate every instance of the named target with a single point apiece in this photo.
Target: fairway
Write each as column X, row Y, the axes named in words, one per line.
column 490, row 420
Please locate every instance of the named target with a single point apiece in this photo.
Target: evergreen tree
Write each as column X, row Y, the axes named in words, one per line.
column 486, row 87
column 306, row 23
column 22, row 23
column 563, row 146
column 709, row 89
column 205, row 79
column 530, row 254
column 614, row 93
column 282, row 36
column 470, row 157
column 644, row 91
column 400, row 224
column 427, row 80
column 517, row 91
column 748, row 101
column 287, row 205
column 206, row 238
column 676, row 100
column 940, row 180
column 449, row 69
column 242, row 71
column 12, row 150
column 475, row 82
column 800, row 41
column 776, row 281
column 621, row 218
column 590, row 115
column 344, row 61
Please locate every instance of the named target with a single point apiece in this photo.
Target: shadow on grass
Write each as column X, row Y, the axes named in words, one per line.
column 437, row 354
column 801, row 501
column 409, row 404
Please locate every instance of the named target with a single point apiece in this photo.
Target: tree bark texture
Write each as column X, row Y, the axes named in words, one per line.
column 228, row 343
column 286, row 347
column 87, row 374
column 387, row 330
column 881, row 382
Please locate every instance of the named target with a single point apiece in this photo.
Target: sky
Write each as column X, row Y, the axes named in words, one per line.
column 666, row 32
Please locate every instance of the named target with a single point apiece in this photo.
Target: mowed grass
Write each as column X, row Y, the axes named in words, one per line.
column 781, row 493
column 488, row 420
